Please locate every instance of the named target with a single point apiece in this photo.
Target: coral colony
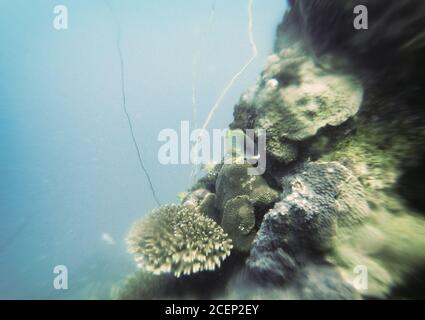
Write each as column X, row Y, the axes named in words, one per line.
column 343, row 112
column 178, row 239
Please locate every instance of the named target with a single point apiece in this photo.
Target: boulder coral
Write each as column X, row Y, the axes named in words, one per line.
column 241, row 197
column 233, row 180
column 239, row 222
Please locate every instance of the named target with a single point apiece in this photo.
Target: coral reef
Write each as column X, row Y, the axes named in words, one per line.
column 179, row 240
column 343, row 188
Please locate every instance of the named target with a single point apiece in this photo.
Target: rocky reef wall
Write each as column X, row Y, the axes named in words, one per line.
column 344, row 114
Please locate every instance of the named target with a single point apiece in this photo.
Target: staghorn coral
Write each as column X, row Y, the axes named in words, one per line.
column 178, row 239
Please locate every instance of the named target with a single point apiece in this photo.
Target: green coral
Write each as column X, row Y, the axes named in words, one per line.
column 239, row 222
column 179, row 240
column 207, row 206
column 390, row 242
column 279, row 148
column 203, row 201
column 299, row 97
column 295, row 98
column 238, row 195
column 390, row 246
column 234, row 180
column 374, row 161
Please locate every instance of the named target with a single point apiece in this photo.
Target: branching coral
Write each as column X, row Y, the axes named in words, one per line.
column 179, row 240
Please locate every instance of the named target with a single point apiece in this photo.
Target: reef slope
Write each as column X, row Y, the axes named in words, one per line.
column 342, row 195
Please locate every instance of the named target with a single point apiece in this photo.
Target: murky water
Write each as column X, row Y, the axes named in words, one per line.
column 71, row 180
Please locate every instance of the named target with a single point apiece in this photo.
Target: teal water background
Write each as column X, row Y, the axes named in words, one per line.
column 68, row 169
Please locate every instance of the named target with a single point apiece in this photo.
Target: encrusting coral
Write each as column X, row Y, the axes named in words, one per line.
column 295, row 98
column 238, row 195
column 239, row 222
column 179, row 240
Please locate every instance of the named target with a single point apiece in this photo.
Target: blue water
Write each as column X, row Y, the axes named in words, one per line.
column 68, row 168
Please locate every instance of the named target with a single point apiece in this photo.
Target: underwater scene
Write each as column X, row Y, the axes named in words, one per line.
column 212, row 149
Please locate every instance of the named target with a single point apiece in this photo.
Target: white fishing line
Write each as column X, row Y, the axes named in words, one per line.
column 195, row 62
column 254, row 51
column 254, row 54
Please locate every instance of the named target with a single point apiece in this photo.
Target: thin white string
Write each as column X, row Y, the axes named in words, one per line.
column 254, row 53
